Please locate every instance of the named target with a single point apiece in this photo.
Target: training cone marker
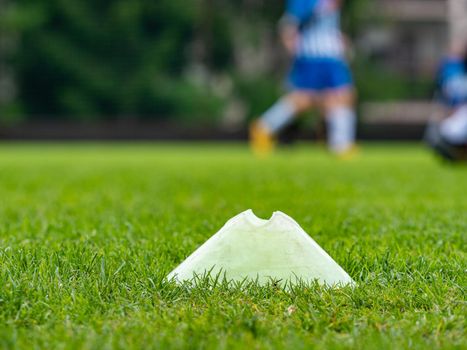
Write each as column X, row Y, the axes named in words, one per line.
column 250, row 248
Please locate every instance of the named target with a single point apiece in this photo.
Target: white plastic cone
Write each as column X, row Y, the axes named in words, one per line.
column 251, row 248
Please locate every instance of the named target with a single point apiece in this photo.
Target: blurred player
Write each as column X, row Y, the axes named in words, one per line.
column 449, row 136
column 319, row 78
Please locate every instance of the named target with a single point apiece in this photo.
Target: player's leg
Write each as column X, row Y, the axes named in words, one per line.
column 284, row 110
column 340, row 119
column 305, row 81
column 339, row 107
column 448, row 138
column 264, row 130
column 438, row 143
column 454, row 128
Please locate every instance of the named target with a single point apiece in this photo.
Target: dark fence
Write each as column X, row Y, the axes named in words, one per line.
column 165, row 131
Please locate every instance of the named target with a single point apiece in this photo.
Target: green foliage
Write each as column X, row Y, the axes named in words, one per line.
column 259, row 92
column 355, row 12
column 129, row 58
column 110, row 59
column 87, row 237
column 88, row 59
column 377, row 83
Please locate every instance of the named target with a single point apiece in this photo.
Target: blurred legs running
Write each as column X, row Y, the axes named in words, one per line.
column 263, row 131
column 340, row 118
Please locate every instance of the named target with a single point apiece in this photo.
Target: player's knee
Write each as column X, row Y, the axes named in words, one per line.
column 340, row 99
column 301, row 101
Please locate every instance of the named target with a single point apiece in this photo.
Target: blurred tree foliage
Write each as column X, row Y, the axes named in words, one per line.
column 89, row 59
column 142, row 58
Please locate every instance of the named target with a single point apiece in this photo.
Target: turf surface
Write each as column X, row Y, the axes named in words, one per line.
column 88, row 232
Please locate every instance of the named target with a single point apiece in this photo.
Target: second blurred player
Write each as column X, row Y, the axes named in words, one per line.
column 448, row 137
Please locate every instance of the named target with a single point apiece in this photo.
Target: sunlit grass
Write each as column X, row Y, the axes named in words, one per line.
column 88, row 232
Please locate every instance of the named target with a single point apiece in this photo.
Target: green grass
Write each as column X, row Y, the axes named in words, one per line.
column 88, row 232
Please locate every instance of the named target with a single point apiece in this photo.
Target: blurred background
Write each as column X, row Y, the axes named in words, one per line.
column 201, row 69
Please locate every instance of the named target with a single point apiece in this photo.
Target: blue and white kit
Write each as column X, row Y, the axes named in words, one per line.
column 319, row 62
column 319, row 67
column 452, row 79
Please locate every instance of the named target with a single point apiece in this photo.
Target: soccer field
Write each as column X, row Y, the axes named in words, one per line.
column 89, row 231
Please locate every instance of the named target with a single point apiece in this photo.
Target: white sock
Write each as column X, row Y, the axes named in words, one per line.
column 341, row 128
column 278, row 116
column 454, row 128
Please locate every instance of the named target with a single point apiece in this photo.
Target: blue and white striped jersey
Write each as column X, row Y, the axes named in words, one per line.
column 319, row 23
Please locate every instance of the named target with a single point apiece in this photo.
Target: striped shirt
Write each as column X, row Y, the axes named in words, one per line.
column 319, row 23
